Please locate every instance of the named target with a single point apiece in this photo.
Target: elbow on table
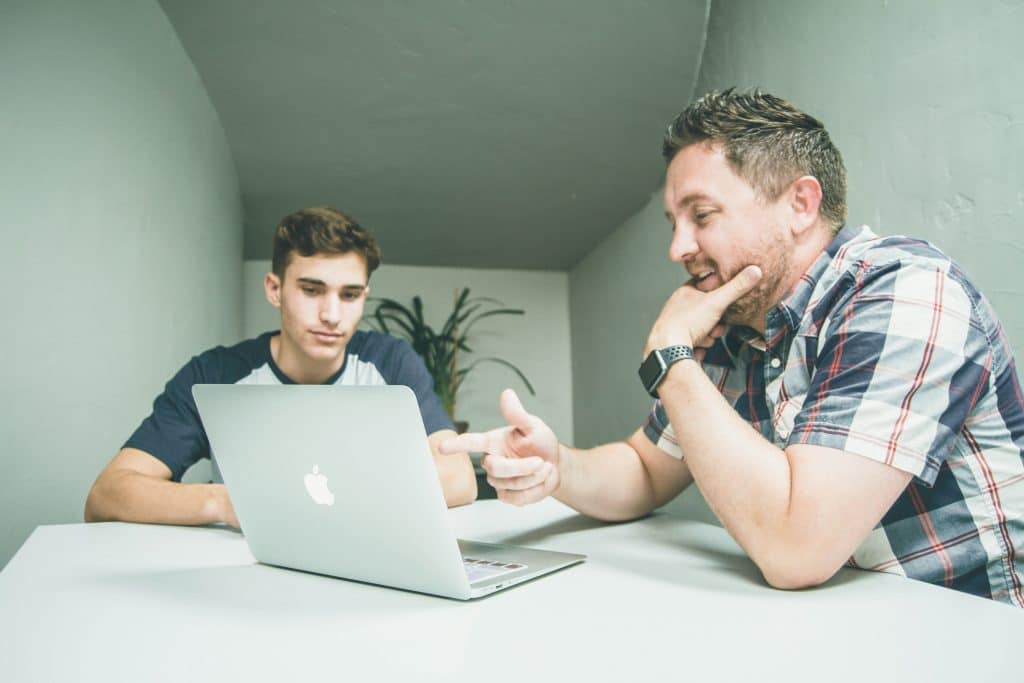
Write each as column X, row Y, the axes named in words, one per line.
column 796, row 574
column 93, row 505
column 101, row 504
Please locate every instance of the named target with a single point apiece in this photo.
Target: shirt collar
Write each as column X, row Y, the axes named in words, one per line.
column 794, row 304
column 729, row 349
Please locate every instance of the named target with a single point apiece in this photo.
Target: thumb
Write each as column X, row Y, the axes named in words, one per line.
column 513, row 410
column 740, row 284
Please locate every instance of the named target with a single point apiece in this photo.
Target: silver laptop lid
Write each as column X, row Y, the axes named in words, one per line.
column 335, row 480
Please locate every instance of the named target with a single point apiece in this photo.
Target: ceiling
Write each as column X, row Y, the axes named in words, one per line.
column 492, row 134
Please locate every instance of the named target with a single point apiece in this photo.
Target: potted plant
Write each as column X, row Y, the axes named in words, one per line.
column 441, row 350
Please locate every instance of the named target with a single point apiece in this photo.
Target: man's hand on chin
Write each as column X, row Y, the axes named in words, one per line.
column 693, row 318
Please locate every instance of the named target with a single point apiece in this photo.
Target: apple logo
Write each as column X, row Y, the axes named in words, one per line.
column 316, row 486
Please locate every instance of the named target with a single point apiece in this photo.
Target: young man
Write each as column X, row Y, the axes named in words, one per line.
column 322, row 263
column 837, row 397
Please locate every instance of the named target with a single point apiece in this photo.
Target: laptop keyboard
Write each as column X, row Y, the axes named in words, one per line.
column 477, row 569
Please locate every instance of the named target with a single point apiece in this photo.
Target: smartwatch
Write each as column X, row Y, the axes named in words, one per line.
column 654, row 369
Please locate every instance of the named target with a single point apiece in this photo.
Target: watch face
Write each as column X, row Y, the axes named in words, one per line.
column 651, row 371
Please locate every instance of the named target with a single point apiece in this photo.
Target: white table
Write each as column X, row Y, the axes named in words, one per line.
column 659, row 599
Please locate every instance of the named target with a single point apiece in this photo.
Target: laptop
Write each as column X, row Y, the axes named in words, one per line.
column 341, row 481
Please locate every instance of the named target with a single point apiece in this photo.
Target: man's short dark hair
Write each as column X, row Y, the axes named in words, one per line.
column 322, row 230
column 767, row 141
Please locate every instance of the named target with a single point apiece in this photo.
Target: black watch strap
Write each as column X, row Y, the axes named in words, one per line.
column 671, row 354
column 653, row 370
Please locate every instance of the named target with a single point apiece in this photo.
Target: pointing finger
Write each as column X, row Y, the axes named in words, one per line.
column 471, row 442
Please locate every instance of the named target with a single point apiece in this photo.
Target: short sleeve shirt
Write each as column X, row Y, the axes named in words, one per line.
column 885, row 349
column 174, row 434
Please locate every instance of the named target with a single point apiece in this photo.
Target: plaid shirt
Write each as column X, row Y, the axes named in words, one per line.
column 885, row 349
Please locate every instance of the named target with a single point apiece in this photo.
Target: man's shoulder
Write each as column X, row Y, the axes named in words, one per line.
column 228, row 364
column 394, row 358
column 905, row 272
column 870, row 260
column 868, row 251
column 369, row 344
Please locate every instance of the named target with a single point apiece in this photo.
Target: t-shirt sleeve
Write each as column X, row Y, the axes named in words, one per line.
column 899, row 367
column 173, row 432
column 411, row 371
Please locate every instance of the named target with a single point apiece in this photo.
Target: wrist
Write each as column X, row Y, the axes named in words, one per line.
column 563, row 467
column 655, row 343
column 678, row 377
column 214, row 508
column 659, row 362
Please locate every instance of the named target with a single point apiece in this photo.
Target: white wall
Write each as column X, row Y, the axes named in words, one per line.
column 924, row 101
column 537, row 342
column 121, row 228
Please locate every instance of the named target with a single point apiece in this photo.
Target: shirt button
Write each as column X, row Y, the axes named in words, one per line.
column 775, row 362
column 783, row 433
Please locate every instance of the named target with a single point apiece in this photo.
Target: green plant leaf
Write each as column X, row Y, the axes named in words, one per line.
column 382, row 318
column 417, row 307
column 439, row 350
column 488, row 314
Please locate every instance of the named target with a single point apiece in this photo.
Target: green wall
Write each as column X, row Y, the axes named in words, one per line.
column 924, row 101
column 121, row 226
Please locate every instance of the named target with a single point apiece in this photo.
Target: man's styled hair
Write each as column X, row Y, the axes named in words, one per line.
column 767, row 141
column 322, row 230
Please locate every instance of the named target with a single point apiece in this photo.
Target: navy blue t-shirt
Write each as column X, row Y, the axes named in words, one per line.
column 174, row 434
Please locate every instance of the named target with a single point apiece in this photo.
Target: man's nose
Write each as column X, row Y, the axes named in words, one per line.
column 683, row 246
column 330, row 311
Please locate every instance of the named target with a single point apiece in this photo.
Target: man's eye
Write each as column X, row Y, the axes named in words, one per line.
column 350, row 296
column 311, row 291
column 702, row 217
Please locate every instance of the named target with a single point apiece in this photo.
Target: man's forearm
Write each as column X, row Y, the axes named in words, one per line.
column 130, row 496
column 745, row 479
column 458, row 479
column 455, row 470
column 609, row 482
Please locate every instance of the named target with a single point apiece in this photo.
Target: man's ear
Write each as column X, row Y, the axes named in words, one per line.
column 272, row 288
column 804, row 203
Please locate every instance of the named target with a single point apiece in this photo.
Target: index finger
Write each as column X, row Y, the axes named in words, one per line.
column 473, row 442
